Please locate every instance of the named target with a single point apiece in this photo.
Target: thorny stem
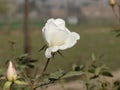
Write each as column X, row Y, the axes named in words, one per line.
column 46, row 65
column 44, row 69
column 43, row 85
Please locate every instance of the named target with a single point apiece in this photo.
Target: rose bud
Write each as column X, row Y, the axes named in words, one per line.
column 112, row 3
column 11, row 73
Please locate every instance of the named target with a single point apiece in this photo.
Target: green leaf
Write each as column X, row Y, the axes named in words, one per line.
column 117, row 83
column 97, row 71
column 94, row 77
column 56, row 75
column 7, row 85
column 91, row 70
column 93, row 57
column 31, row 65
column 117, row 30
column 81, row 67
column 105, row 84
column 46, row 80
column 76, row 67
column 72, row 74
column 18, row 82
column 118, row 88
column 33, row 61
column 118, row 35
column 106, row 73
column 23, row 56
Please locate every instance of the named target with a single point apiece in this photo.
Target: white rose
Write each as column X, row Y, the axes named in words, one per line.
column 58, row 37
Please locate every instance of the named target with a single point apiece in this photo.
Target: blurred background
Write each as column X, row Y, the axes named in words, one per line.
column 92, row 19
column 74, row 11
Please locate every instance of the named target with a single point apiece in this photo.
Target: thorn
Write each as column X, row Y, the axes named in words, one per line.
column 60, row 53
column 43, row 47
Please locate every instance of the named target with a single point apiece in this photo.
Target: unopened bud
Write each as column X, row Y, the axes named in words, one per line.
column 112, row 3
column 11, row 72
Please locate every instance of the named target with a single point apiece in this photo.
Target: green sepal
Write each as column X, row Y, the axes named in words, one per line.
column 7, row 85
column 18, row 82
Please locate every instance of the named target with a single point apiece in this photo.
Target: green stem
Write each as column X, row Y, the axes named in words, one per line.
column 46, row 65
column 44, row 69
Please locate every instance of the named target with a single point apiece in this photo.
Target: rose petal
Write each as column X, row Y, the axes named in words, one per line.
column 60, row 23
column 55, row 48
column 48, row 53
column 49, row 26
column 71, row 41
column 55, row 36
